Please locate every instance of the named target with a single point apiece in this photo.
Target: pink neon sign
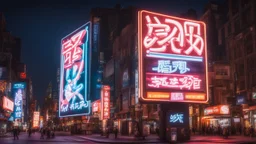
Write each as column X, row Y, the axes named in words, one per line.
column 175, row 81
column 105, row 100
column 168, row 35
column 172, row 57
column 71, row 49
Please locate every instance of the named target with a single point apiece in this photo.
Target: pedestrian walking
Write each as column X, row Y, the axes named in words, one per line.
column 116, row 132
column 29, row 132
column 48, row 133
column 42, row 133
column 15, row 134
column 251, row 131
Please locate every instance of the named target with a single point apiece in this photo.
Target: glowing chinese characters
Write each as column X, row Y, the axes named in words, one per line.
column 182, row 82
column 173, row 36
column 18, row 92
column 105, row 101
column 71, row 49
column 166, row 66
column 75, row 58
column 177, row 118
column 172, row 57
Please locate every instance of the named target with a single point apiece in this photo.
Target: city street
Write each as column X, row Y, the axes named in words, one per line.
column 65, row 137
column 61, row 137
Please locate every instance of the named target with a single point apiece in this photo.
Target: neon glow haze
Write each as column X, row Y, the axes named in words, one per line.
column 18, row 93
column 172, row 59
column 74, row 76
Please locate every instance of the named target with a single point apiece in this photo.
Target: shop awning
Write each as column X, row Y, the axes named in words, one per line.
column 252, row 108
column 216, row 116
column 123, row 112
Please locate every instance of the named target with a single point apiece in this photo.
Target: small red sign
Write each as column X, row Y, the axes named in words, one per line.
column 23, row 75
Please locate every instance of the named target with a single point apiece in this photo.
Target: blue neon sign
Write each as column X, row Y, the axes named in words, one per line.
column 177, row 118
column 74, row 77
column 18, row 93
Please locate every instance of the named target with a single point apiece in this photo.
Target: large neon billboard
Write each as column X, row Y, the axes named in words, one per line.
column 172, row 59
column 74, row 76
column 18, row 93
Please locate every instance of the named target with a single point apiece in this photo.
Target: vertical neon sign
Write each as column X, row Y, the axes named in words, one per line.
column 105, row 102
column 36, row 117
column 74, row 76
column 172, row 59
column 18, row 93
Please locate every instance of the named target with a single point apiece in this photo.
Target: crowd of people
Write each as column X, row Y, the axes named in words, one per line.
column 48, row 132
column 45, row 132
column 225, row 131
column 16, row 132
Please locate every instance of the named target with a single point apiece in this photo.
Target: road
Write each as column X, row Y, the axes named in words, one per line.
column 66, row 138
column 61, row 137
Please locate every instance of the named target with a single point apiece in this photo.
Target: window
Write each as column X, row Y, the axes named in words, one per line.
column 229, row 28
column 253, row 80
column 235, row 6
column 240, row 69
column 237, row 49
column 242, row 85
column 246, row 17
column 248, row 43
column 244, row 3
column 222, row 71
column 237, row 25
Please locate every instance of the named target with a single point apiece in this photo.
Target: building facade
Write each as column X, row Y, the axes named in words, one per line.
column 239, row 35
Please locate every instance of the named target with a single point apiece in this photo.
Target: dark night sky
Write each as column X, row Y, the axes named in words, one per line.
column 43, row 23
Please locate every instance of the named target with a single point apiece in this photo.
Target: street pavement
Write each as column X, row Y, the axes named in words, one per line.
column 61, row 137
column 66, row 138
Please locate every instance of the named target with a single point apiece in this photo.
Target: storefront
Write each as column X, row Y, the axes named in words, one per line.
column 7, row 106
column 217, row 116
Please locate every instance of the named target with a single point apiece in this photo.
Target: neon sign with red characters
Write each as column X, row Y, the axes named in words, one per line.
column 105, row 102
column 172, row 58
column 74, row 76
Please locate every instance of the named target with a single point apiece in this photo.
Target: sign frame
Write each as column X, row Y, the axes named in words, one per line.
column 142, row 72
column 86, row 51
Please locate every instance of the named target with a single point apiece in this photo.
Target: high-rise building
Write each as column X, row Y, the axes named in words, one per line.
column 238, row 36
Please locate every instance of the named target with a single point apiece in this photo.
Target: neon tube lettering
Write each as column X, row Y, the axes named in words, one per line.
column 166, row 66
column 186, row 82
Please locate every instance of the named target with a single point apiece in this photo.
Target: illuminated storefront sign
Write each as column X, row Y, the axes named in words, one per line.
column 18, row 93
column 74, row 77
column 172, row 59
column 96, row 106
column 105, row 102
column 7, row 104
column 36, row 117
column 240, row 100
column 177, row 118
column 217, row 110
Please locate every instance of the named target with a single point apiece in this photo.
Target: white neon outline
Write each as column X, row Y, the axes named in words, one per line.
column 88, row 40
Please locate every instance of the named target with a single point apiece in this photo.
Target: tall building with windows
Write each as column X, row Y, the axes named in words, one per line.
column 239, row 35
